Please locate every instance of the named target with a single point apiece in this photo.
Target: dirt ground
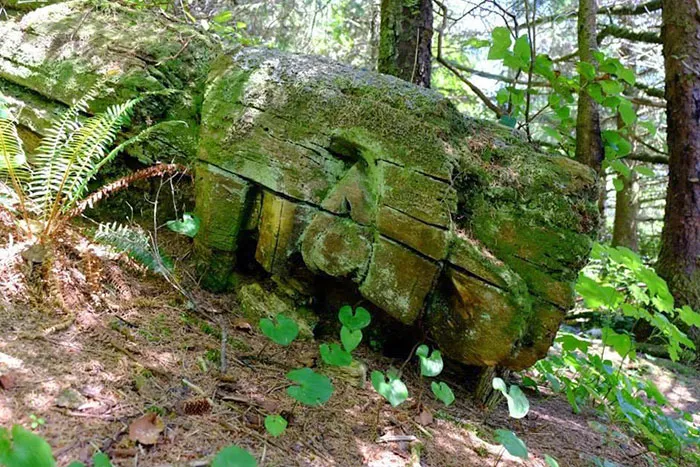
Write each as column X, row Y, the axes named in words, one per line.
column 89, row 377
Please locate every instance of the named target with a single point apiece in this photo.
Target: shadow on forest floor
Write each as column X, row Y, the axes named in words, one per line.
column 92, row 376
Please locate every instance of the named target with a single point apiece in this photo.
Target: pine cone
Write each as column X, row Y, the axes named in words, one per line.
column 198, row 406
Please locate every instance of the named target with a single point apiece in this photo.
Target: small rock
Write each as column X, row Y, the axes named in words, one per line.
column 69, row 398
column 7, row 381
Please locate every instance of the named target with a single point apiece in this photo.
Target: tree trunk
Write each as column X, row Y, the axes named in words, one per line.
column 626, row 213
column 405, row 40
column 679, row 258
column 589, row 144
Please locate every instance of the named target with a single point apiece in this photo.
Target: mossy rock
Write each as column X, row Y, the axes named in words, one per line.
column 440, row 220
column 436, row 217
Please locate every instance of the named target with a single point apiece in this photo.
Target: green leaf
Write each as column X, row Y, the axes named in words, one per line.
column 442, row 392
column 313, row 389
column 100, row 459
column 570, row 342
column 689, row 317
column 512, row 443
column 335, row 355
column 354, row 321
column 627, row 112
column 189, row 225
column 621, row 168
column 275, row 425
column 501, row 43
column 24, row 449
column 233, row 456
column 621, row 343
column 76, row 464
column 626, row 75
column 223, row 17
column 611, row 87
column 283, row 332
column 393, row 390
column 521, row 49
column 596, row 295
column 429, row 365
column 586, row 70
column 508, row 120
column 518, row 405
column 550, row 461
column 350, row 339
column 645, row 171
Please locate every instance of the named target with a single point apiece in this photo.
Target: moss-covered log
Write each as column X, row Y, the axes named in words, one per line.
column 346, row 174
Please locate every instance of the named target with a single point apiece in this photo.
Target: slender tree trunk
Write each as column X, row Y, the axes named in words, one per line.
column 405, row 39
column 626, row 213
column 679, row 258
column 589, row 144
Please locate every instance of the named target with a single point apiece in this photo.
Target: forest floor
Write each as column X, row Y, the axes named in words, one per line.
column 89, row 377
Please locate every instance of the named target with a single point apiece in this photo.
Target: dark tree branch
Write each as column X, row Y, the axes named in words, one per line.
column 621, row 33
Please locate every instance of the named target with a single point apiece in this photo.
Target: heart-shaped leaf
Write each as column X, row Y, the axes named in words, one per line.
column 354, row 321
column 442, row 392
column 24, row 449
column 334, row 355
column 350, row 339
column 275, row 425
column 393, row 390
column 100, row 459
column 233, row 456
column 313, row 389
column 283, row 332
column 429, row 365
column 512, row 443
column 189, row 225
column 518, row 405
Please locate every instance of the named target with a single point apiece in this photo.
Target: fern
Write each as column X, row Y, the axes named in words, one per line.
column 13, row 161
column 67, row 160
column 136, row 244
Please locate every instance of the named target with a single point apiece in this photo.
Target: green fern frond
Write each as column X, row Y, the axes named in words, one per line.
column 13, row 161
column 60, row 177
column 81, row 189
column 136, row 244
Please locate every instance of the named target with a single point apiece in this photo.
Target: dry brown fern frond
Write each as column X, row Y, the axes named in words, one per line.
column 157, row 170
column 115, row 277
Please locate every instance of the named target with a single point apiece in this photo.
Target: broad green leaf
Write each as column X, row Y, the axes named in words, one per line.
column 334, row 355
column 596, row 295
column 521, row 49
column 550, row 461
column 442, row 392
column 611, row 87
column 621, row 168
column 627, row 112
column 501, row 43
column 512, row 443
column 283, row 332
column 618, row 184
column 626, row 75
column 100, row 459
column 350, row 339
column 223, row 17
column 689, row 317
column 586, row 70
column 313, row 389
column 24, row 449
column 645, row 171
column 393, row 390
column 518, row 405
column 233, row 456
column 354, row 321
column 508, row 120
column 621, row 343
column 570, row 342
column 189, row 225
column 430, row 365
column 275, row 425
